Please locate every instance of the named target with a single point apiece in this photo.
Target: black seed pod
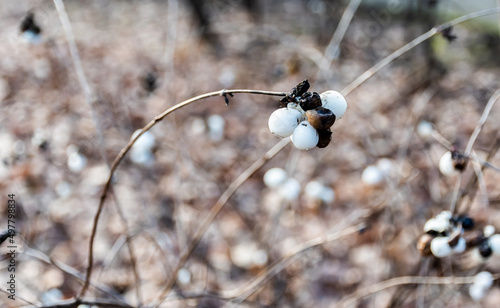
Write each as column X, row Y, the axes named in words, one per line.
column 459, row 161
column 467, row 222
column 29, row 24
column 320, row 118
column 301, row 88
column 485, row 249
column 310, row 101
column 325, row 136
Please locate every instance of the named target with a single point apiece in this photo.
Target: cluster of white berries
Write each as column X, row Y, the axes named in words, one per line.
column 307, row 117
column 289, row 188
column 444, row 235
column 482, row 282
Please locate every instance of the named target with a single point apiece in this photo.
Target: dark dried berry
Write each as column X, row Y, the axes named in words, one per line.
column 459, row 160
column 467, row 222
column 325, row 136
column 320, row 118
column 485, row 249
column 29, row 24
column 301, row 88
column 149, row 82
column 310, row 101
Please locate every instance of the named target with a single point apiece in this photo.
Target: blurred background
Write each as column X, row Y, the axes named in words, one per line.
column 142, row 57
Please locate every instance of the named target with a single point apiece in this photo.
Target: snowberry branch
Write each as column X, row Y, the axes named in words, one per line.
column 124, row 151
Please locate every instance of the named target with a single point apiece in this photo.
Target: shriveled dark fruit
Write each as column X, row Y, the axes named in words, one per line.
column 310, row 101
column 424, row 244
column 320, row 118
column 325, row 136
column 485, row 249
column 301, row 88
column 459, row 161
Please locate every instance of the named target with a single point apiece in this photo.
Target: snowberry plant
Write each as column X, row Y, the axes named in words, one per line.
column 306, row 117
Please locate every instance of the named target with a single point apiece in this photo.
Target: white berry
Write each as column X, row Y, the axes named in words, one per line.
column 372, row 175
column 283, row 121
column 440, row 247
column 317, row 191
column 489, row 230
column 305, row 136
column 290, row 190
column 484, row 280
column 334, row 101
column 446, row 164
column 436, row 224
column 460, row 246
column 494, row 242
column 425, row 129
column 476, row 292
column 274, row 177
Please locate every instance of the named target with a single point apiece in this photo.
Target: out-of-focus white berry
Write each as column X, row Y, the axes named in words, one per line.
column 216, row 125
column 460, row 246
column 476, row 292
column 436, row 224
column 141, row 153
column 440, row 247
column 305, row 136
column 494, row 242
column 446, row 165
column 484, row 279
column 63, row 189
column 274, row 177
column 146, row 140
column 184, row 276
column 290, row 190
column 334, row 101
column 283, row 121
column 385, row 165
column 318, row 191
column 372, row 175
column 425, row 129
column 445, row 215
column 76, row 161
column 489, row 230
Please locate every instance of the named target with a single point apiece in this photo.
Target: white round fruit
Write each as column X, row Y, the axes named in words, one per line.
column 283, row 121
column 483, row 280
column 446, row 165
column 290, row 190
column 494, row 242
column 372, row 175
column 274, row 177
column 440, row 247
column 437, row 225
column 334, row 101
column 305, row 136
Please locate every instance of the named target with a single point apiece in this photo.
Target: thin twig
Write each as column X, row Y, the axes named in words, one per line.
column 125, row 150
column 493, row 99
column 481, row 182
column 105, row 303
column 393, row 282
column 398, row 53
column 91, row 99
column 332, row 50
